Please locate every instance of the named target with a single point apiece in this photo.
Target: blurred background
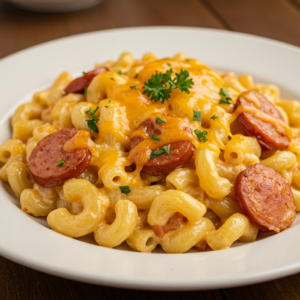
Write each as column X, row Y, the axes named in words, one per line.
column 19, row 29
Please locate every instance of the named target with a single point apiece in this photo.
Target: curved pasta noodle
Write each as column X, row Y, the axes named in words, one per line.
column 112, row 235
column 168, row 203
column 234, row 227
column 214, row 185
column 94, row 202
column 17, row 178
column 38, row 201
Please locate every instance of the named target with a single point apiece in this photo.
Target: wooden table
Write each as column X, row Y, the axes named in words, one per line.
column 276, row 19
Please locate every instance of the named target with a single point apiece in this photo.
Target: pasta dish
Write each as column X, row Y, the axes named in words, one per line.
column 154, row 152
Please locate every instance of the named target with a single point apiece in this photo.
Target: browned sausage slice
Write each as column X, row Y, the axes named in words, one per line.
column 180, row 152
column 174, row 223
column 49, row 151
column 265, row 133
column 265, row 197
column 78, row 84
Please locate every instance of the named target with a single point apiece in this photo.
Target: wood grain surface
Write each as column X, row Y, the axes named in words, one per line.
column 276, row 19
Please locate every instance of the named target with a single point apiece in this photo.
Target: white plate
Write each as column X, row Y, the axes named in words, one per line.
column 27, row 241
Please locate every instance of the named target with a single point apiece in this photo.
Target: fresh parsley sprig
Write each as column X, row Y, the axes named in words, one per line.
column 214, row 117
column 201, row 135
column 164, row 149
column 92, row 123
column 225, row 97
column 156, row 87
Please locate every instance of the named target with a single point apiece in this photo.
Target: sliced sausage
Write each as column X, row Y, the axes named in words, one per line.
column 47, row 154
column 78, row 84
column 265, row 197
column 265, row 133
column 174, row 223
column 163, row 164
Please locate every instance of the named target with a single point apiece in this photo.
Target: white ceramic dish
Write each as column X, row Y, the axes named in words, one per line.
column 26, row 240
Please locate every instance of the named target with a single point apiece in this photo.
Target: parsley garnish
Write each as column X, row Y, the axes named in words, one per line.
column 156, row 88
column 214, row 117
column 134, row 87
column 225, row 97
column 111, row 78
column 92, row 123
column 83, row 73
column 125, row 189
column 201, row 135
column 159, row 120
column 60, row 163
column 164, row 149
column 169, row 64
column 136, row 75
column 109, row 101
column 85, row 91
column 197, row 116
column 154, row 137
column 120, row 72
column 106, row 106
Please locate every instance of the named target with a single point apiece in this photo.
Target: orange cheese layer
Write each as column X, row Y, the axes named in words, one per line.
column 280, row 126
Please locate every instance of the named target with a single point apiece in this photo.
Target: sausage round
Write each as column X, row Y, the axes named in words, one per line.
column 49, row 151
column 78, row 84
column 265, row 133
column 163, row 164
column 265, row 197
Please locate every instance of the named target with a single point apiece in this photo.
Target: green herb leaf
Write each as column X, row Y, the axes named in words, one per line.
column 201, row 135
column 85, row 91
column 83, row 73
column 183, row 82
column 225, row 94
column 164, row 149
column 106, row 106
column 169, row 64
column 156, row 88
column 159, row 120
column 134, row 87
column 125, row 189
column 214, row 117
column 225, row 97
column 111, row 78
column 92, row 123
column 109, row 101
column 136, row 75
column 224, row 101
column 197, row 116
column 120, row 72
column 154, row 137
column 60, row 163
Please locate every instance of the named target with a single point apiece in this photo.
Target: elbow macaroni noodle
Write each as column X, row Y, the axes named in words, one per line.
column 192, row 206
